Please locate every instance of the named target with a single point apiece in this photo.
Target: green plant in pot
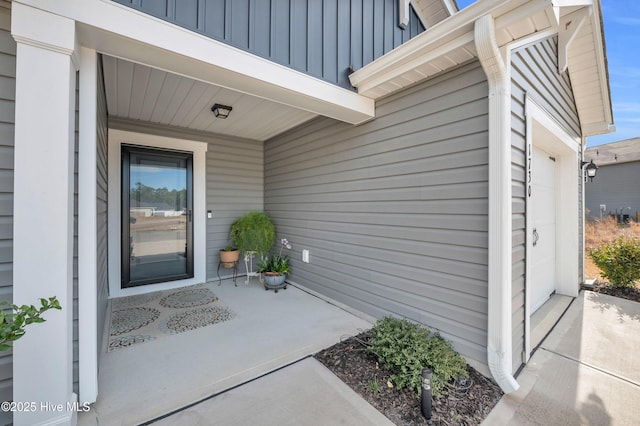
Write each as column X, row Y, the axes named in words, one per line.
column 229, row 256
column 275, row 268
column 253, row 232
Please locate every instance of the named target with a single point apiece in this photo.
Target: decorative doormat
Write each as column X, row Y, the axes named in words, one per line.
column 150, row 316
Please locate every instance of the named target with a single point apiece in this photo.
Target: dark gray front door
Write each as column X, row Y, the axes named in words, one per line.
column 157, row 206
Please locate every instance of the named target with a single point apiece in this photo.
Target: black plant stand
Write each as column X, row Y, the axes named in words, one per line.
column 226, row 265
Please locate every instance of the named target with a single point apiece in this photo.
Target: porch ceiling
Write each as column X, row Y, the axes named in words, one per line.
column 139, row 92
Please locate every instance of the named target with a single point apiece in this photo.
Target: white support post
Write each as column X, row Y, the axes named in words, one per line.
column 43, row 211
column 87, row 228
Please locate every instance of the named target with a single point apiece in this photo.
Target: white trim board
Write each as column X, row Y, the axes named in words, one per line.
column 547, row 134
column 199, row 150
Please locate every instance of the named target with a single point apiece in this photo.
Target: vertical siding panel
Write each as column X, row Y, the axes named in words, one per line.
column 378, row 28
column 367, row 31
column 299, row 35
column 344, row 45
column 157, row 8
column 280, row 31
column 214, row 18
column 240, row 23
column 261, row 29
column 7, row 96
column 330, row 40
column 388, row 26
column 356, row 34
column 394, row 212
column 315, row 48
column 186, row 13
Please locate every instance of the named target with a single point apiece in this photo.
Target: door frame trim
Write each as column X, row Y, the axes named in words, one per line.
column 543, row 131
column 199, row 150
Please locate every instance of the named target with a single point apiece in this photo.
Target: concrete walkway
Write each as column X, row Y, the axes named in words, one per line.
column 304, row 393
column 586, row 372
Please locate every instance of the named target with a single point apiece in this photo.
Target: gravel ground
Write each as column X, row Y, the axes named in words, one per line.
column 465, row 403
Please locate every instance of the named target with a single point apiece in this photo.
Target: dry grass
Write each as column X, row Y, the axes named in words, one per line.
column 603, row 231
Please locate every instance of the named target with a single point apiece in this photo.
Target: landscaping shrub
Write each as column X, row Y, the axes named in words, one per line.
column 618, row 260
column 406, row 348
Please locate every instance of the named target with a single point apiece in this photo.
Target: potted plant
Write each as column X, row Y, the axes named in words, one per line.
column 229, row 256
column 274, row 269
column 253, row 232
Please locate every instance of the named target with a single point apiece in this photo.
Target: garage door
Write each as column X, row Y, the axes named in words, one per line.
column 543, row 205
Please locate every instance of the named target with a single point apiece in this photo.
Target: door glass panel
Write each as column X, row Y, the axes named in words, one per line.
column 158, row 194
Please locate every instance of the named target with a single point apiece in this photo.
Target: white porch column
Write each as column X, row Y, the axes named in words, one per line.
column 43, row 211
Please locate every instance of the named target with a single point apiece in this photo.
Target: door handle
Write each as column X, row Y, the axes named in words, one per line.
column 536, row 237
column 189, row 216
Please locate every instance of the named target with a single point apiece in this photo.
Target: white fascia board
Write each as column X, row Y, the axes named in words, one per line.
column 593, row 129
column 442, row 38
column 601, row 60
column 123, row 32
column 450, row 6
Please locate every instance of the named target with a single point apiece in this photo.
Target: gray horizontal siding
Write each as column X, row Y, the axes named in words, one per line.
column 534, row 73
column 235, row 185
column 102, row 279
column 322, row 38
column 616, row 186
column 7, row 98
column 394, row 212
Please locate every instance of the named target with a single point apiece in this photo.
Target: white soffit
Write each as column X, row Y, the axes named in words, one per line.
column 450, row 43
column 431, row 12
column 149, row 95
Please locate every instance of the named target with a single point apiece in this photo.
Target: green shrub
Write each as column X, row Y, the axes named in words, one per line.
column 406, row 348
column 13, row 323
column 619, row 261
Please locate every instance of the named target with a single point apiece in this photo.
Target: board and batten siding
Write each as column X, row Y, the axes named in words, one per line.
column 7, row 117
column 534, row 73
column 322, row 38
column 102, row 278
column 394, row 212
column 235, row 182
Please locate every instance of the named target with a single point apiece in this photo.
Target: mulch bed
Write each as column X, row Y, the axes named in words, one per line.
column 465, row 403
column 622, row 292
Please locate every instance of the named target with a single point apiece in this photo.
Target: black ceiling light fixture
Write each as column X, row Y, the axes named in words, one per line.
column 591, row 169
column 221, row 111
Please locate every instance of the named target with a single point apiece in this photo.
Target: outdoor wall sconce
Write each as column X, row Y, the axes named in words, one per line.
column 221, row 111
column 591, row 169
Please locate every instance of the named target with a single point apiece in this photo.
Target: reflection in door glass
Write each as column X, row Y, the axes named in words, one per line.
column 158, row 215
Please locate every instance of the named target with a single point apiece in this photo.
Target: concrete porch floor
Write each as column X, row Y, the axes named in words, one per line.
column 270, row 330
